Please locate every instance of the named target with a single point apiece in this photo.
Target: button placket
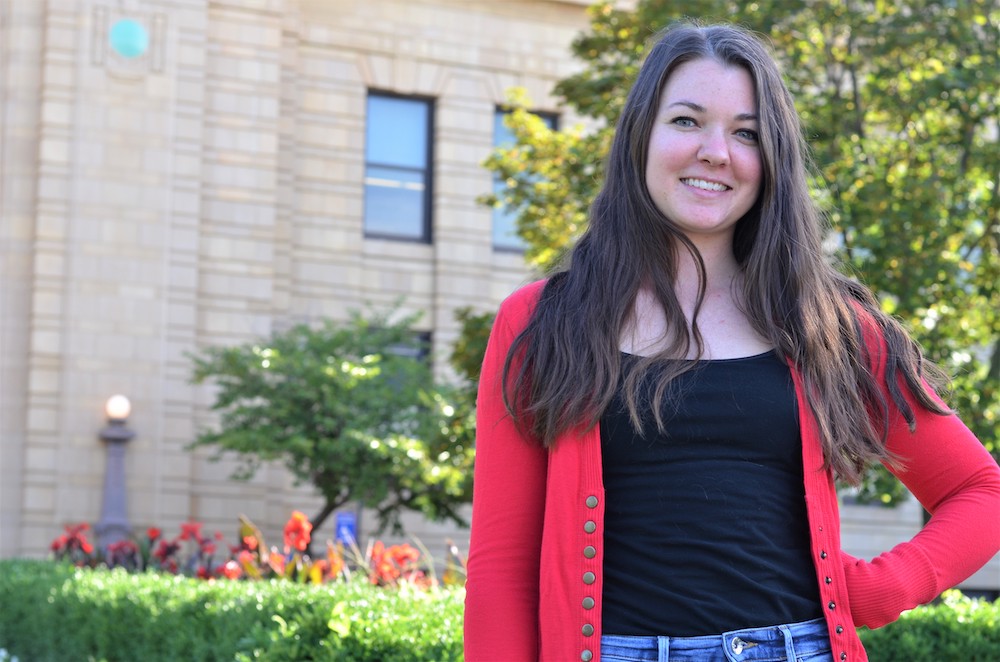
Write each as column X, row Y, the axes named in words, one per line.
column 589, row 577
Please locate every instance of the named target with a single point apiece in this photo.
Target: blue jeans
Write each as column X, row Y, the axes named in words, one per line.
column 799, row 642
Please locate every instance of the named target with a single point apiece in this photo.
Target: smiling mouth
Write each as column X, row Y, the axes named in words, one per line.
column 705, row 185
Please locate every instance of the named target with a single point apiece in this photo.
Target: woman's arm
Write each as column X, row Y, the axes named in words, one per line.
column 953, row 476
column 501, row 603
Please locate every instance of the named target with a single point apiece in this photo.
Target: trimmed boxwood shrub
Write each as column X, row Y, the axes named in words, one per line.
column 55, row 612
column 955, row 628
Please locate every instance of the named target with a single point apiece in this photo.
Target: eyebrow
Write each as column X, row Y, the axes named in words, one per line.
column 742, row 117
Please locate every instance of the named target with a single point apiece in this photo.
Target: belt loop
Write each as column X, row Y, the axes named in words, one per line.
column 663, row 649
column 789, row 645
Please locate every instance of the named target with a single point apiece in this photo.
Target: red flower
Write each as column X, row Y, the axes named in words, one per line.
column 152, row 533
column 203, row 572
column 191, row 531
column 250, row 542
column 297, row 532
column 166, row 549
column 208, row 548
column 232, row 570
column 59, row 543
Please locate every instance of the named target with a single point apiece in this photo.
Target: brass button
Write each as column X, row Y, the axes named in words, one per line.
column 586, row 655
column 590, row 526
column 840, row 628
column 588, row 630
column 590, row 551
column 589, row 578
column 591, row 502
column 588, row 603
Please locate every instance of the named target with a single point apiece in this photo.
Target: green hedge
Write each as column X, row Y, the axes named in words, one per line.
column 51, row 612
column 956, row 628
column 56, row 612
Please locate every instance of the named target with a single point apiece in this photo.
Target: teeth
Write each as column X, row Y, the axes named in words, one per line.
column 702, row 184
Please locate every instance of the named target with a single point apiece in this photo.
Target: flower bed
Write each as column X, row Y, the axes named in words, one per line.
column 195, row 554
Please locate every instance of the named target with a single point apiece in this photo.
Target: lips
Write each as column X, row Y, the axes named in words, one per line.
column 705, row 185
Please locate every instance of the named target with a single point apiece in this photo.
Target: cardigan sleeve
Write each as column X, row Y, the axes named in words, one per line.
column 958, row 482
column 501, row 602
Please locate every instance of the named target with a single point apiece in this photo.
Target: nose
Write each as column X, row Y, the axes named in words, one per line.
column 714, row 149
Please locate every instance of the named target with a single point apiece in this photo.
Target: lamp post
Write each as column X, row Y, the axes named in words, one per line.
column 113, row 525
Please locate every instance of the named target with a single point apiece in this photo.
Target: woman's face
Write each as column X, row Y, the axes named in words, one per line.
column 703, row 169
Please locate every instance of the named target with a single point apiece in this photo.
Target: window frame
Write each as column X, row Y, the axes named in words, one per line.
column 427, row 208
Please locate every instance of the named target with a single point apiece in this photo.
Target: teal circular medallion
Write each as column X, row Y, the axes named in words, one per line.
column 129, row 38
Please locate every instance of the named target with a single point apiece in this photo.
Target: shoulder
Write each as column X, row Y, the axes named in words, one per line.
column 517, row 308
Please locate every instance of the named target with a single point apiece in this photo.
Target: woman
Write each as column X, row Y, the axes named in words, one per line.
column 660, row 423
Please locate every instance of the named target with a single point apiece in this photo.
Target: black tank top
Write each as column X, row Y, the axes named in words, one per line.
column 705, row 526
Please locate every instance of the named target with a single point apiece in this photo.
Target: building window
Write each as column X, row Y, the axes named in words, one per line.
column 505, row 237
column 398, row 167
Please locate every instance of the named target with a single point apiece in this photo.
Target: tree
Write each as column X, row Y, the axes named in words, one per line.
column 900, row 109
column 348, row 409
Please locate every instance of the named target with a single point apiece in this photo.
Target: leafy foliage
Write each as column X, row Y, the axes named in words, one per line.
column 348, row 409
column 114, row 616
column 899, row 105
column 957, row 628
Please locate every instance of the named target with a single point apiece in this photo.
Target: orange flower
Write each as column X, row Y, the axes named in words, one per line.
column 384, row 570
column 297, row 532
column 277, row 563
column 404, row 554
column 335, row 557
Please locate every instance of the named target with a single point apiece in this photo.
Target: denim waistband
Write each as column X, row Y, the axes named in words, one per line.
column 806, row 641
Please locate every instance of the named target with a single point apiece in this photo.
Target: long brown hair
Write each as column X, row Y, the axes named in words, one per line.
column 562, row 370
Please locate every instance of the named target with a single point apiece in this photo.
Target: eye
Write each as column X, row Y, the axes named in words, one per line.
column 748, row 134
column 686, row 122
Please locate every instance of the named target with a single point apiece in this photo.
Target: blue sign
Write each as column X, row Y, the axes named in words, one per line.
column 347, row 528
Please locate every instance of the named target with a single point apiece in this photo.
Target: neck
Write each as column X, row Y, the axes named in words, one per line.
column 720, row 269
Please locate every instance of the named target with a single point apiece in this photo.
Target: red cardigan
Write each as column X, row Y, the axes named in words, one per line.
column 535, row 557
